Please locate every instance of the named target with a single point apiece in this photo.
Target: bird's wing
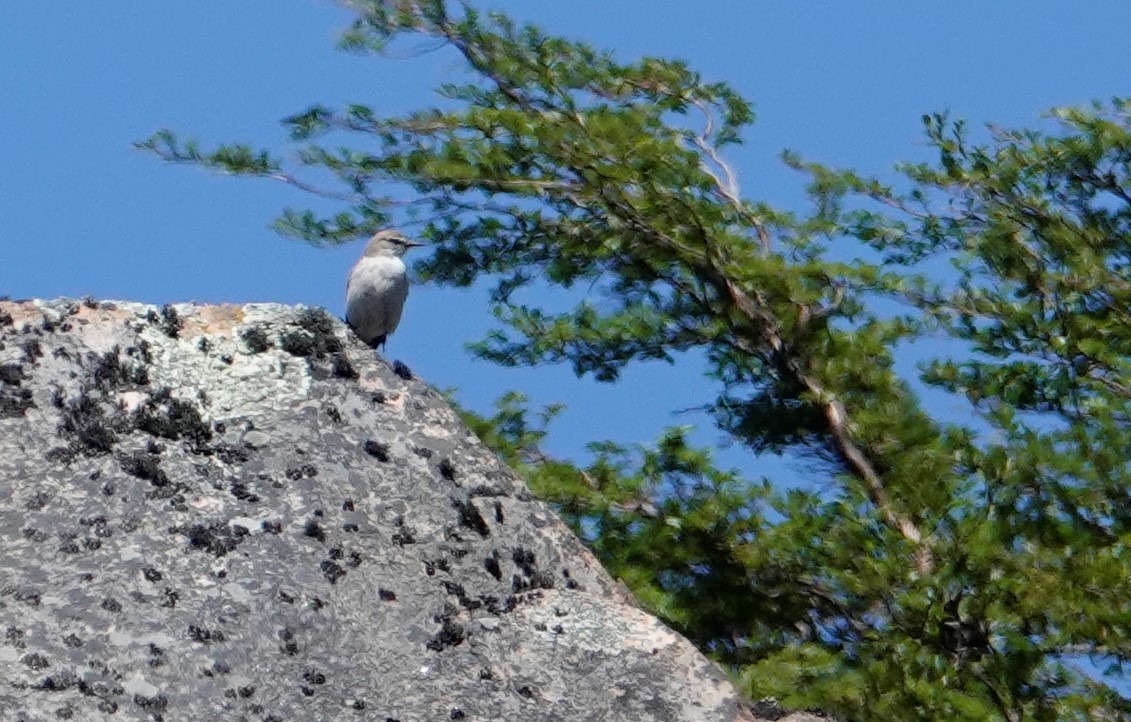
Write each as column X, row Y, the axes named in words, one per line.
column 394, row 303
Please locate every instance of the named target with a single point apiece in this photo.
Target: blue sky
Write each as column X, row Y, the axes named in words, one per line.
column 82, row 213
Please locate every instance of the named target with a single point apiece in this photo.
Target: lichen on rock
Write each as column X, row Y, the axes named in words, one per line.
column 240, row 512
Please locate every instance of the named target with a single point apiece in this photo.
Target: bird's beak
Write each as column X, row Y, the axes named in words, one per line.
column 412, row 244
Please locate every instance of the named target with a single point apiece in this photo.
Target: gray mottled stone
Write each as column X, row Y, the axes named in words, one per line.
column 241, row 513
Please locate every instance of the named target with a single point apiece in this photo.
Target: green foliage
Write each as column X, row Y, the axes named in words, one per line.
column 944, row 570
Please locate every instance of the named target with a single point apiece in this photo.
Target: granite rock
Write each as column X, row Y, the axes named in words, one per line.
column 243, row 513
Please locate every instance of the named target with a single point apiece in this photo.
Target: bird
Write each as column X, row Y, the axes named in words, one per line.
column 378, row 286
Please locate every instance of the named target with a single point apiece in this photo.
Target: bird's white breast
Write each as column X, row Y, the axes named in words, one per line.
column 375, row 295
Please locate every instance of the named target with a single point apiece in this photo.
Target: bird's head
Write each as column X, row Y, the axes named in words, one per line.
column 389, row 243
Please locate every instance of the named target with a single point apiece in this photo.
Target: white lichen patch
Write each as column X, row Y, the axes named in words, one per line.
column 216, row 366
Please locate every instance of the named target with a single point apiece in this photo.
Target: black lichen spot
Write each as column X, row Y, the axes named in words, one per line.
column 111, row 605
column 313, row 676
column 540, row 580
column 423, row 452
column 272, row 527
column 72, row 640
column 35, row 535
column 11, row 374
column 240, row 491
column 232, row 454
column 255, row 339
column 289, row 646
column 377, row 450
column 140, row 352
column 204, row 344
column 217, row 538
column 109, row 371
column 333, row 413
column 37, row 501
column 155, row 706
column 451, row 634
column 386, row 595
column 172, row 418
column 534, row 579
column 491, row 564
column 332, row 571
column 347, row 505
column 499, row 512
column 456, row 552
column 525, row 560
column 15, row 402
column 295, row 473
column 86, row 424
column 144, row 465
column 316, row 338
column 404, row 534
column 314, row 530
column 32, row 349
column 204, row 635
column 447, row 470
column 768, row 708
column 36, row 662
column 401, row 370
column 156, row 655
column 526, row 691
column 168, row 321
column 100, row 530
column 571, row 583
column 343, row 369
column 470, row 518
column 297, row 343
column 465, row 601
column 15, row 637
column 151, row 574
column 457, row 713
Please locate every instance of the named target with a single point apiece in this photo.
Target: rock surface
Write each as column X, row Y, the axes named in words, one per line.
column 241, row 513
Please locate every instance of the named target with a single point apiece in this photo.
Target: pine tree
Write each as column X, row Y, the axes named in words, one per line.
column 945, row 569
